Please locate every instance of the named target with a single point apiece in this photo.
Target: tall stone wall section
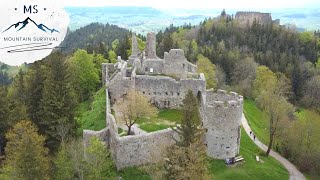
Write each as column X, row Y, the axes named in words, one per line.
column 143, row 149
column 166, row 92
column 153, row 66
column 222, row 118
column 175, row 63
column 247, row 18
column 120, row 84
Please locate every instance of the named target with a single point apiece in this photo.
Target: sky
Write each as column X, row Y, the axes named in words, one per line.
column 203, row 4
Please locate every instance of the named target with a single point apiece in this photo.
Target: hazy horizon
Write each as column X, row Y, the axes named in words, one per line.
column 203, row 4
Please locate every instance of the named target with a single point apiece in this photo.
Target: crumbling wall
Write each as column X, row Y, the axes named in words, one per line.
column 101, row 135
column 192, row 68
column 175, row 63
column 153, row 66
column 144, row 148
column 166, row 92
column 119, row 85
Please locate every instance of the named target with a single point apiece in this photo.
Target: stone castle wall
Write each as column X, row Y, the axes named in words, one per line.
column 138, row 149
column 166, row 92
column 156, row 65
column 131, row 150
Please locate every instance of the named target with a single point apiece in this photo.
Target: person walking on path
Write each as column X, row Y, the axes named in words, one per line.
column 250, row 133
column 254, row 137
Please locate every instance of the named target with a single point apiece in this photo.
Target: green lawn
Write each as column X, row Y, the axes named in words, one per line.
column 92, row 115
column 172, row 115
column 257, row 120
column 165, row 118
column 249, row 169
column 133, row 173
column 153, row 127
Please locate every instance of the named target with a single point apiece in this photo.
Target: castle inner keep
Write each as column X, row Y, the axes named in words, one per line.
column 165, row 82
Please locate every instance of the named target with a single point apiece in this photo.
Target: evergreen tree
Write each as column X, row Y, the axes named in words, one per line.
column 26, row 156
column 18, row 97
column 124, row 48
column 187, row 159
column 4, row 78
column 58, row 101
column 189, row 130
column 4, row 115
column 34, row 87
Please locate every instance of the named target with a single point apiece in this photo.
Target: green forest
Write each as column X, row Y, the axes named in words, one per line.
column 44, row 106
column 276, row 67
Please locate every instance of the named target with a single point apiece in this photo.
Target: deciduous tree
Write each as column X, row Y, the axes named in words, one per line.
column 270, row 92
column 99, row 161
column 84, row 76
column 208, row 69
column 132, row 107
column 26, row 156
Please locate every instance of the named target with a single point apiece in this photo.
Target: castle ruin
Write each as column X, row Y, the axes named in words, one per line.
column 247, row 18
column 165, row 82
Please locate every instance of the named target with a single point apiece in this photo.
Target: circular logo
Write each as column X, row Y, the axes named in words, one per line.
column 31, row 29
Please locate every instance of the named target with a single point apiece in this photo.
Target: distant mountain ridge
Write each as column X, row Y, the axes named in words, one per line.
column 26, row 22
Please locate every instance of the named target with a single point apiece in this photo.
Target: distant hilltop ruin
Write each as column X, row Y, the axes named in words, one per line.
column 246, row 18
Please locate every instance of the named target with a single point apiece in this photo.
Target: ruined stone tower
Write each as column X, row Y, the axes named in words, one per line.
column 151, row 46
column 221, row 115
column 135, row 49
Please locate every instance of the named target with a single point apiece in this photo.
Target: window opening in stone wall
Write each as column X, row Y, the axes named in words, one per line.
column 199, row 96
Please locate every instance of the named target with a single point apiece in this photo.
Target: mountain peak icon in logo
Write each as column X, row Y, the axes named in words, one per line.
column 22, row 24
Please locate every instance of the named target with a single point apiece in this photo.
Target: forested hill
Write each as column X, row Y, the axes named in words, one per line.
column 94, row 36
column 276, row 68
column 228, row 46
